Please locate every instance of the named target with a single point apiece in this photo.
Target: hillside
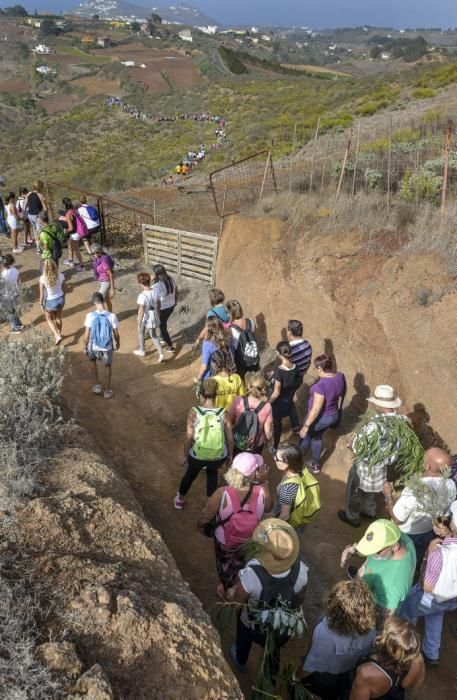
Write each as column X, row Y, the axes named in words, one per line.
column 119, row 9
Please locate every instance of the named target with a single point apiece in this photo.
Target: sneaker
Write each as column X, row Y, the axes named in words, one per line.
column 59, row 339
column 67, row 261
column 16, row 330
column 178, row 502
column 239, row 667
column 107, row 393
column 162, row 342
column 314, row 468
column 429, row 661
column 140, row 353
column 161, row 358
column 342, row 516
column 171, row 349
column 17, row 250
column 97, row 389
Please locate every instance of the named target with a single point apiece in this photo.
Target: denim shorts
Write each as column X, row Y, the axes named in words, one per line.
column 54, row 304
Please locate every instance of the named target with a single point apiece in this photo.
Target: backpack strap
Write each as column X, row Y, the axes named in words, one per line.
column 236, row 503
column 246, row 404
column 292, row 480
column 260, row 406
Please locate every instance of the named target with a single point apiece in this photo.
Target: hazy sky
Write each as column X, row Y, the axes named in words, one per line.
column 316, row 13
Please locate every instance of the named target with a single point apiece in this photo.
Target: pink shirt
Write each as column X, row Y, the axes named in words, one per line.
column 237, row 409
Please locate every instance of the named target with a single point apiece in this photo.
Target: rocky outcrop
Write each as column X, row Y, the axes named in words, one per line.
column 138, row 629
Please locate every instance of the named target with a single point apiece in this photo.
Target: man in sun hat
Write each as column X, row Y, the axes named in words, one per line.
column 275, row 571
column 389, row 566
column 365, row 480
column 436, row 592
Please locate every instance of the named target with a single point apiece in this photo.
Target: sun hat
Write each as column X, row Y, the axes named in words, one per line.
column 280, row 546
column 247, row 463
column 384, row 396
column 379, row 535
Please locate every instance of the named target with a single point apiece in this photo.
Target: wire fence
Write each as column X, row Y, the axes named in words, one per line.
column 120, row 223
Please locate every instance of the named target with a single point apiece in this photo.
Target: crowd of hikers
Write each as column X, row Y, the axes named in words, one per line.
column 246, row 417
column 194, row 156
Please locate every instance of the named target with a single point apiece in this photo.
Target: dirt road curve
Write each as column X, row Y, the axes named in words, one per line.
column 140, row 432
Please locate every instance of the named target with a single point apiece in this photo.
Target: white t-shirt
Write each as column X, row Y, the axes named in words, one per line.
column 251, row 584
column 112, row 318
column 167, row 299
column 84, row 214
column 415, row 522
column 147, row 300
column 236, row 333
column 10, row 277
column 53, row 292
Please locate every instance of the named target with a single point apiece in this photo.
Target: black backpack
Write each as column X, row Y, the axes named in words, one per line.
column 246, row 434
column 34, row 203
column 247, row 352
column 57, row 249
column 275, row 588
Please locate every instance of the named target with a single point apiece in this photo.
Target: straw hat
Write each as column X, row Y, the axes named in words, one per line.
column 279, row 544
column 384, row 396
column 380, row 534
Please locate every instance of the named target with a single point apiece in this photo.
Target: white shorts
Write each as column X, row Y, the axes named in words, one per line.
column 12, row 222
column 75, row 237
column 104, row 288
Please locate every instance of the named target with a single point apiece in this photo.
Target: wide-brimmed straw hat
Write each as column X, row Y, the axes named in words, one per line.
column 379, row 535
column 279, row 544
column 384, row 396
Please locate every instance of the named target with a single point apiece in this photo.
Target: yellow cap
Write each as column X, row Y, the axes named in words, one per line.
column 379, row 535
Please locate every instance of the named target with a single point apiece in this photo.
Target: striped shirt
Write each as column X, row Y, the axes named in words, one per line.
column 434, row 563
column 301, row 354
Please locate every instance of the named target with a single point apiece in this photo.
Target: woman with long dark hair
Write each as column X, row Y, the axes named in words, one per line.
column 325, row 402
column 69, row 223
column 165, row 296
column 229, row 384
column 286, row 381
column 216, row 338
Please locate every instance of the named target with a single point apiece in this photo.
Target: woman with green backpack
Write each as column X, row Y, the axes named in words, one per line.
column 209, row 442
column 298, row 493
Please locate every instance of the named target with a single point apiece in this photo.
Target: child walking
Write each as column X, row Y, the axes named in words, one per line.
column 10, row 291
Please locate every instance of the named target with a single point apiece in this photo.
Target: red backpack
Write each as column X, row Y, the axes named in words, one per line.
column 240, row 525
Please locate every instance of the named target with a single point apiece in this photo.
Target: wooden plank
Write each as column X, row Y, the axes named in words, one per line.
column 160, row 257
column 192, row 254
column 152, row 233
column 163, row 229
column 196, row 275
column 197, row 248
column 188, row 267
column 197, row 243
column 166, row 249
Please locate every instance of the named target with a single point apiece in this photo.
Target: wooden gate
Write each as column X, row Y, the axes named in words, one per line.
column 183, row 253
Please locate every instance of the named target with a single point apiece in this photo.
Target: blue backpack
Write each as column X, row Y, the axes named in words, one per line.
column 92, row 212
column 101, row 331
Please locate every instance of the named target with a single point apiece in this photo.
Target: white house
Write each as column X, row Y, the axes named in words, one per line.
column 45, row 70
column 130, row 64
column 42, row 48
column 185, row 35
column 210, row 29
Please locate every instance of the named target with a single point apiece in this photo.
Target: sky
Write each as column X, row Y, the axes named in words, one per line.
column 314, row 13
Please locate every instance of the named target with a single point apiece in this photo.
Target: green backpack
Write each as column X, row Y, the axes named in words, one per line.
column 209, row 436
column 308, row 499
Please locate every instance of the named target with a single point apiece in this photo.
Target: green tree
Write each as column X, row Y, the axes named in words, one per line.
column 375, row 51
column 156, row 19
column 14, row 11
column 135, row 27
column 48, row 27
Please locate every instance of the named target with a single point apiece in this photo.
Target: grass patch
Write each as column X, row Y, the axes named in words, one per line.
column 423, row 93
column 83, row 55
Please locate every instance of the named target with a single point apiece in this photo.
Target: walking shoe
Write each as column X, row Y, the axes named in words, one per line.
column 59, row 339
column 17, row 250
column 430, row 662
column 161, row 358
column 97, row 389
column 16, row 330
column 140, row 353
column 178, row 502
column 107, row 393
column 239, row 667
column 171, row 349
column 67, row 261
column 314, row 468
column 342, row 516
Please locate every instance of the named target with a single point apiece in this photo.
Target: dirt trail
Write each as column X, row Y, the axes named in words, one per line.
column 140, row 432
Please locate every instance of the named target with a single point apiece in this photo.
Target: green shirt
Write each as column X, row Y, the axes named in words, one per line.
column 389, row 580
column 46, row 240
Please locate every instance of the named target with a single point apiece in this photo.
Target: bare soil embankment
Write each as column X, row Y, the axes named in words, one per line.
column 117, row 590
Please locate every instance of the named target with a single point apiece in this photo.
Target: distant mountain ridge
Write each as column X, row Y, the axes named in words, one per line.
column 119, row 9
